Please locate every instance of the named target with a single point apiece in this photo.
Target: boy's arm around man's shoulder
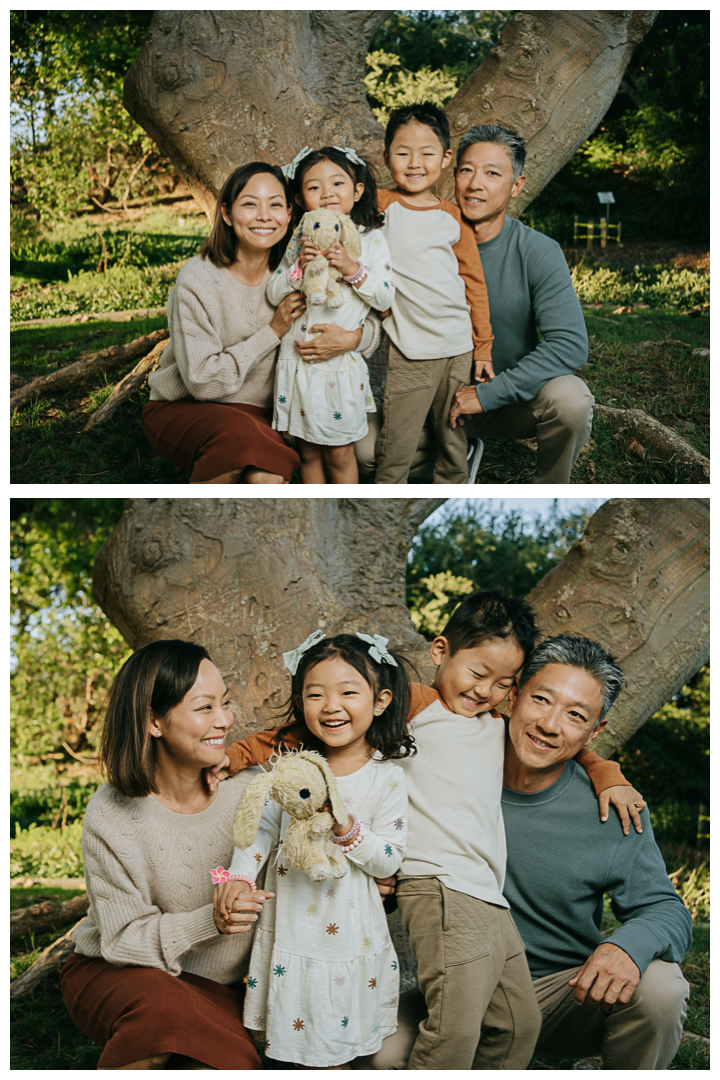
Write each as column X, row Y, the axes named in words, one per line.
column 472, row 273
column 259, row 748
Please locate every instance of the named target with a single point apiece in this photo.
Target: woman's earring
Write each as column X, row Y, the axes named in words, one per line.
column 378, row 712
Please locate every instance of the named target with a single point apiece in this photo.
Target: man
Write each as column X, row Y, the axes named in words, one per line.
column 534, row 393
column 623, row 996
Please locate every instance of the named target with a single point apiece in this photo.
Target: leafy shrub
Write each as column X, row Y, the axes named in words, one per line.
column 43, row 799
column 121, row 288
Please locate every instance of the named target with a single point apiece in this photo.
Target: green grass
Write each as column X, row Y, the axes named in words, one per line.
column 635, row 359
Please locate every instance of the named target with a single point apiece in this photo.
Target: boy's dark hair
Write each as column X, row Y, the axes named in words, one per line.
column 388, row 732
column 154, row 679
column 491, row 613
column 221, row 245
column 365, row 211
column 424, row 112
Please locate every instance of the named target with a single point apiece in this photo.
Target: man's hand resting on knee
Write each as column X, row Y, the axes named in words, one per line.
column 466, row 403
column 607, row 977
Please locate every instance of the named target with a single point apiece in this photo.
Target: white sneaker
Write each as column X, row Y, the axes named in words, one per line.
column 474, row 457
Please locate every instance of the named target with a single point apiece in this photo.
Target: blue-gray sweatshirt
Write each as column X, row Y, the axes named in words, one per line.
column 529, row 290
column 561, row 859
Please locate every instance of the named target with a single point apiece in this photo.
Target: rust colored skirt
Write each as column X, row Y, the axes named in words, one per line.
column 213, row 439
column 136, row 1012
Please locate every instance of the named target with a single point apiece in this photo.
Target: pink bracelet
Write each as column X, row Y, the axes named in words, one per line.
column 351, row 834
column 357, row 841
column 221, row 875
column 356, row 278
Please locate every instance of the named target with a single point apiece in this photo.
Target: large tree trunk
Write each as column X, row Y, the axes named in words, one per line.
column 251, row 578
column 639, row 583
column 216, row 89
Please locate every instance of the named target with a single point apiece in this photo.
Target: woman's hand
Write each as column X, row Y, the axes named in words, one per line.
column 236, row 906
column 288, row 310
column 333, row 341
column 308, row 252
column 338, row 257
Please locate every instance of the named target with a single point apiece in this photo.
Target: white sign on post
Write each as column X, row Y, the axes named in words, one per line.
column 606, row 197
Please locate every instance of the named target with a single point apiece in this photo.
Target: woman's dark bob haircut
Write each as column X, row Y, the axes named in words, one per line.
column 155, row 679
column 221, row 245
column 388, row 732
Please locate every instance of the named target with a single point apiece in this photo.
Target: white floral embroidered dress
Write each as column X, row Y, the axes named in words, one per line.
column 327, row 403
column 324, row 976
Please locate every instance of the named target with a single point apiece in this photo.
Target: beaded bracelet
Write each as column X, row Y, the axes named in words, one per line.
column 356, row 278
column 358, row 840
column 242, row 877
column 351, row 834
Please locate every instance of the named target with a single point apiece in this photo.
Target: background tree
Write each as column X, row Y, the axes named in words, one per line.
column 71, row 138
column 215, row 88
column 251, row 578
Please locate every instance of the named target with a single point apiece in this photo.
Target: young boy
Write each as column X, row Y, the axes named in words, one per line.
column 471, row 963
column 439, row 326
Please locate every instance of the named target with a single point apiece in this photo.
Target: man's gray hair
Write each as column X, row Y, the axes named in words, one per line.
column 578, row 652
column 493, row 133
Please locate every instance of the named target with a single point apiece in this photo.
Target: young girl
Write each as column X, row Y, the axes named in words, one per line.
column 322, row 402
column 323, row 978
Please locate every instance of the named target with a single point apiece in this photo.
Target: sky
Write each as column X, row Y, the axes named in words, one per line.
column 530, row 507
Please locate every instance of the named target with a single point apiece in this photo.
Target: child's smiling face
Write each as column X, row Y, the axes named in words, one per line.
column 326, row 186
column 476, row 680
column 415, row 159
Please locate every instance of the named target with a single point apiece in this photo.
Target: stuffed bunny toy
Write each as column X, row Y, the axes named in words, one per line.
column 301, row 782
column 321, row 282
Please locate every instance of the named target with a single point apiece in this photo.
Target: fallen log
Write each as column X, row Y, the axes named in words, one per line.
column 653, row 435
column 38, row 918
column 48, row 961
column 127, row 385
column 16, row 381
column 82, row 370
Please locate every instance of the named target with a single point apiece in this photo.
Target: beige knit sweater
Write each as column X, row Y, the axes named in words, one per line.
column 221, row 346
column 148, row 879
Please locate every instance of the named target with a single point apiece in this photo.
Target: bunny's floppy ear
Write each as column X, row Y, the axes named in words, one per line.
column 293, row 248
column 351, row 237
column 338, row 806
column 249, row 811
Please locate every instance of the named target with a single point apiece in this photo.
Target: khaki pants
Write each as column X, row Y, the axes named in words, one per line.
column 475, row 1008
column 644, row 1034
column 416, row 390
column 559, row 417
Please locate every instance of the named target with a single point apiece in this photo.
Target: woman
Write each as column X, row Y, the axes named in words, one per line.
column 151, row 975
column 210, row 408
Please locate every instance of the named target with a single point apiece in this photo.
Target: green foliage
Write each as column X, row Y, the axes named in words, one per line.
column 389, row 85
column 64, row 650
column 652, row 149
column 71, row 136
column 39, row 795
column 656, row 286
column 693, row 886
column 475, row 547
column 668, row 761
column 461, row 39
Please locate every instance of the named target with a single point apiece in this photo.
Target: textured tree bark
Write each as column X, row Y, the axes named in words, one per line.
column 552, row 78
column 251, row 578
column 216, row 89
column 638, row 582
column 651, row 433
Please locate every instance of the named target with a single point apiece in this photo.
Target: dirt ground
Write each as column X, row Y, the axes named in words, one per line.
column 665, row 253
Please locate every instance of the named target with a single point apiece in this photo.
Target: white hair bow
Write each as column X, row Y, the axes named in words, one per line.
column 379, row 649
column 292, row 659
column 350, row 154
column 288, row 170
